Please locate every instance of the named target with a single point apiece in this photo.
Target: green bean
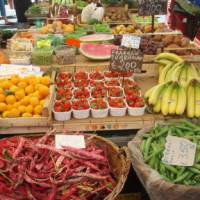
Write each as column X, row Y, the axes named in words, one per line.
column 153, row 154
column 152, row 162
column 171, row 169
column 183, row 128
column 190, row 124
column 194, row 170
column 182, row 177
column 162, row 169
column 162, row 132
column 147, row 146
column 142, row 146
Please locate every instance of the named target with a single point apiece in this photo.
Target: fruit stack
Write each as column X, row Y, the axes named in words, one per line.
column 98, row 93
column 178, row 89
column 23, row 97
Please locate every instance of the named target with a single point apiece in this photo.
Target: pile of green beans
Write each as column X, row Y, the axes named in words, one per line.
column 153, row 145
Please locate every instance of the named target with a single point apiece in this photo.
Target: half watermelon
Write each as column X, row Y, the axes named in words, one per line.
column 96, row 38
column 97, row 51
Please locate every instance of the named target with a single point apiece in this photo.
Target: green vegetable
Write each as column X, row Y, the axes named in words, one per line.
column 153, row 145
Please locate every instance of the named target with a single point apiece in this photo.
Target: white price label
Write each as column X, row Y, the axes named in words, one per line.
column 76, row 141
column 179, row 151
column 131, row 41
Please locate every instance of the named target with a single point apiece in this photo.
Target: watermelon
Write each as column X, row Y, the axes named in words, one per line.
column 96, row 38
column 97, row 51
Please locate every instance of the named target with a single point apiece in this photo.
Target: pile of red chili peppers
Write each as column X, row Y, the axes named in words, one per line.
column 33, row 169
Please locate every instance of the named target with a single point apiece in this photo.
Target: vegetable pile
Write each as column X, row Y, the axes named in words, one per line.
column 35, row 169
column 153, row 146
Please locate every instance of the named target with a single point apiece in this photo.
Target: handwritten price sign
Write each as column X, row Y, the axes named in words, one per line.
column 152, row 7
column 179, row 151
column 127, row 60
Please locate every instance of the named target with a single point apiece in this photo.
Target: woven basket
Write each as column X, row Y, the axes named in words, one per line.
column 119, row 159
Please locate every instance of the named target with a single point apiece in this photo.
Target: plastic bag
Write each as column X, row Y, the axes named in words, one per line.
column 155, row 185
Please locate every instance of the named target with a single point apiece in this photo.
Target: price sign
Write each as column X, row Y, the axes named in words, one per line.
column 128, row 60
column 152, row 7
column 179, row 151
column 131, row 41
column 76, row 141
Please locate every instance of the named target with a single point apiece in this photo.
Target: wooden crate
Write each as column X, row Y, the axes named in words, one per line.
column 44, row 120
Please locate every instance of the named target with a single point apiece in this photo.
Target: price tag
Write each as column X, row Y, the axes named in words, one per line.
column 179, row 151
column 126, row 60
column 76, row 141
column 152, row 7
column 131, row 41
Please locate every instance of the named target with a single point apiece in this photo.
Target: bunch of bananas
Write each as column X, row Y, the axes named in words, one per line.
column 193, row 99
column 167, row 98
column 174, row 68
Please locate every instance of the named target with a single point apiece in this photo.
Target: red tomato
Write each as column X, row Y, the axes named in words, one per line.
column 98, row 104
column 115, row 92
column 112, row 82
column 96, row 76
column 62, row 106
column 80, row 75
column 81, row 83
column 82, row 93
column 110, row 74
column 81, row 104
column 94, row 83
column 99, row 92
column 116, row 102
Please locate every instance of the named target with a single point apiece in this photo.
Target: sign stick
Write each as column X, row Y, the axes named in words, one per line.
column 152, row 23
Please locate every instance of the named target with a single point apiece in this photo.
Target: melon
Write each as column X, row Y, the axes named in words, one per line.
column 97, row 51
column 96, row 38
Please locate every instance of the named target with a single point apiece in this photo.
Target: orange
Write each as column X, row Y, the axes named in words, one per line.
column 27, row 115
column 9, row 107
column 15, row 79
column 34, row 101
column 20, row 94
column 25, row 101
column 42, row 102
column 36, row 115
column 29, row 89
column 14, row 113
column 37, row 86
column 29, row 109
column 16, row 104
column 5, row 114
column 43, row 91
column 35, row 81
column 45, row 80
column 3, row 107
column 10, row 99
column 38, row 109
column 2, row 97
column 6, row 84
column 22, row 109
column 1, row 91
column 22, row 84
column 14, row 88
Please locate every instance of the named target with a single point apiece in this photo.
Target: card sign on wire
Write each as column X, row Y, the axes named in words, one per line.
column 152, row 7
column 126, row 60
column 131, row 41
column 179, row 151
column 76, row 141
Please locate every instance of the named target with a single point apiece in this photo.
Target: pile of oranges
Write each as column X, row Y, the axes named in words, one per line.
column 23, row 97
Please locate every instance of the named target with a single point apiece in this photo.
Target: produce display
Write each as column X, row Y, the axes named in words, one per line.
column 57, row 27
column 77, row 94
column 153, row 145
column 3, row 58
column 23, row 97
column 96, row 38
column 51, row 173
column 37, row 10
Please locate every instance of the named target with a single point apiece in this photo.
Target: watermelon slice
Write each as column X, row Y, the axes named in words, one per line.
column 96, row 38
column 97, row 51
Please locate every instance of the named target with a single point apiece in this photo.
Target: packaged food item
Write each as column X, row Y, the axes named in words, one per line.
column 42, row 56
column 65, row 54
column 21, row 45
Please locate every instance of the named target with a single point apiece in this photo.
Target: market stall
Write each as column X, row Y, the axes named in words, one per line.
column 96, row 67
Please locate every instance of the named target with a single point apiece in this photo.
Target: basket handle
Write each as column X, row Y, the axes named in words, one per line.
column 125, row 152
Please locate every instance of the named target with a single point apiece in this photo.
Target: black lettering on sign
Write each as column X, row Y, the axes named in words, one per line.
column 152, row 7
column 126, row 60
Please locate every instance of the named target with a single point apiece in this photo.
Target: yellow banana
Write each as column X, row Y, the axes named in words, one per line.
column 168, row 56
column 157, row 106
column 181, row 104
column 164, row 62
column 177, row 72
column 191, row 72
column 190, row 100
column 156, row 93
column 197, row 99
column 163, row 73
column 149, row 92
column 183, row 76
column 169, row 75
column 174, row 100
column 160, row 68
column 166, row 99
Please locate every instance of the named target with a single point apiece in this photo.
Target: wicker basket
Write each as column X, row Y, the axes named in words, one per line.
column 120, row 162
